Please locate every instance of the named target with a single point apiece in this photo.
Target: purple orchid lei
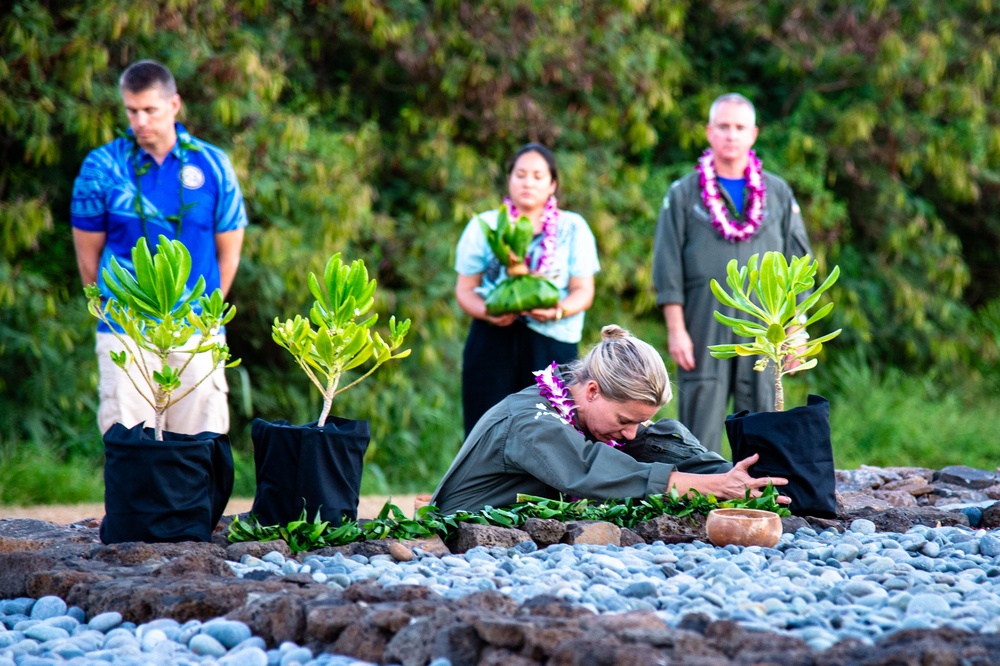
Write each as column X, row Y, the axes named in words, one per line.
column 552, row 389
column 712, row 198
column 550, row 223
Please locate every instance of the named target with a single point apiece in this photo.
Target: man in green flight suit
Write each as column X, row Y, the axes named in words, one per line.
column 730, row 208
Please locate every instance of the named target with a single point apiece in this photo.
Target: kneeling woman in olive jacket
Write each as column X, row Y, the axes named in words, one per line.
column 583, row 431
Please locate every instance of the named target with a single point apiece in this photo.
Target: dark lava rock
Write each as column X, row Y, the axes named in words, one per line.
column 945, row 493
column 991, row 517
column 412, row 625
column 366, row 548
column 899, row 498
column 670, row 529
column 849, row 502
column 546, row 605
column 857, row 480
column 966, row 477
column 792, row 524
column 820, row 524
column 362, row 641
column 191, row 565
column 258, row 549
column 18, row 534
column 902, row 519
column 469, row 536
column 629, row 538
column 544, row 531
column 459, row 643
column 413, row 644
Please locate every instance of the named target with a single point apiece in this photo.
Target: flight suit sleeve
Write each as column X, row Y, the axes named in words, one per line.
column 557, row 455
column 668, row 244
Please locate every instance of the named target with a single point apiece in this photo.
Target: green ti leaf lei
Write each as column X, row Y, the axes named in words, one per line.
column 392, row 522
column 184, row 145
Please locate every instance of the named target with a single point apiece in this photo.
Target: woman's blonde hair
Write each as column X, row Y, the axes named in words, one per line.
column 625, row 368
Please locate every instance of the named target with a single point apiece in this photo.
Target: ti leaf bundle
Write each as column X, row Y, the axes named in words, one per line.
column 520, row 291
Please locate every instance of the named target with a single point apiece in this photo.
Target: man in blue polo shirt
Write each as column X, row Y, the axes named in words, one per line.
column 158, row 180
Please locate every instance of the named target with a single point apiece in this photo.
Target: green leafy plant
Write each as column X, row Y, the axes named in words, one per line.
column 509, row 240
column 340, row 341
column 392, row 523
column 151, row 309
column 770, row 293
column 520, row 291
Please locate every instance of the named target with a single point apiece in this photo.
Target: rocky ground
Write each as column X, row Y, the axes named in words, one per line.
column 64, row 514
column 416, row 625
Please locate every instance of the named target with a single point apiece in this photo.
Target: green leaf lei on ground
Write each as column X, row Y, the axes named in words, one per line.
column 393, row 523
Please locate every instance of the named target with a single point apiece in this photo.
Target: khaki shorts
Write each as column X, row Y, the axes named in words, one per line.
column 204, row 409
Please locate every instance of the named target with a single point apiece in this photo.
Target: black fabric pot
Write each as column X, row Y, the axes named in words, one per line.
column 174, row 490
column 318, row 466
column 795, row 445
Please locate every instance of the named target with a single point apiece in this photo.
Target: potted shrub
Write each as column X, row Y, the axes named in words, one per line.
column 778, row 296
column 162, row 486
column 317, row 467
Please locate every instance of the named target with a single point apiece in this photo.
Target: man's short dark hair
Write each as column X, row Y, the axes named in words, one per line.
column 145, row 74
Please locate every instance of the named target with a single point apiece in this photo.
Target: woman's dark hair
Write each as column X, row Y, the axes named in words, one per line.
column 541, row 150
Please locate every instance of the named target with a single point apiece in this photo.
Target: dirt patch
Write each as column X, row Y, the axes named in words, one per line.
column 64, row 514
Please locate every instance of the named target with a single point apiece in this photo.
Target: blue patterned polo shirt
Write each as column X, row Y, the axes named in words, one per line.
column 105, row 193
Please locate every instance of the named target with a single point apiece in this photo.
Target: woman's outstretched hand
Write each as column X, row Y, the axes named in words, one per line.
column 731, row 485
column 741, row 480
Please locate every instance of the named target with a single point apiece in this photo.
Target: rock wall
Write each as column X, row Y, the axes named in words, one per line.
column 411, row 625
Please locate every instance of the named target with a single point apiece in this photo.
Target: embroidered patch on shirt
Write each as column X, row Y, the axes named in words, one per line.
column 543, row 410
column 192, row 177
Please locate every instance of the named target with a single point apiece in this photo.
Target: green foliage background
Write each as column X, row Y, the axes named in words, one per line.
column 377, row 128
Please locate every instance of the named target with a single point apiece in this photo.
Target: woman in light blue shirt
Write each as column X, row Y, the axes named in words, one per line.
column 502, row 351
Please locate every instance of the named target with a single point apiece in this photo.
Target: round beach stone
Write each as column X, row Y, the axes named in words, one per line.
column 860, row 588
column 296, row 657
column 150, row 639
column 251, row 656
column 400, row 552
column 43, row 633
column 203, row 644
column 63, row 622
column 989, row 545
column 227, row 632
column 845, row 552
column 105, row 622
column 273, row 557
column 47, row 607
column 930, row 604
column 640, row 589
column 863, row 526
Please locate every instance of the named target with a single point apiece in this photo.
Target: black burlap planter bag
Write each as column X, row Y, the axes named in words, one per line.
column 321, row 466
column 795, row 445
column 164, row 491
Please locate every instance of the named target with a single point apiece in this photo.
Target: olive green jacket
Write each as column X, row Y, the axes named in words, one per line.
column 523, row 446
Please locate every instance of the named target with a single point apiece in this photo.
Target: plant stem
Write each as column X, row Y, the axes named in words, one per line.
column 331, row 390
column 779, row 390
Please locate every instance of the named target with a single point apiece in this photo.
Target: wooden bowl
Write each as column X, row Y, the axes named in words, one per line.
column 743, row 527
